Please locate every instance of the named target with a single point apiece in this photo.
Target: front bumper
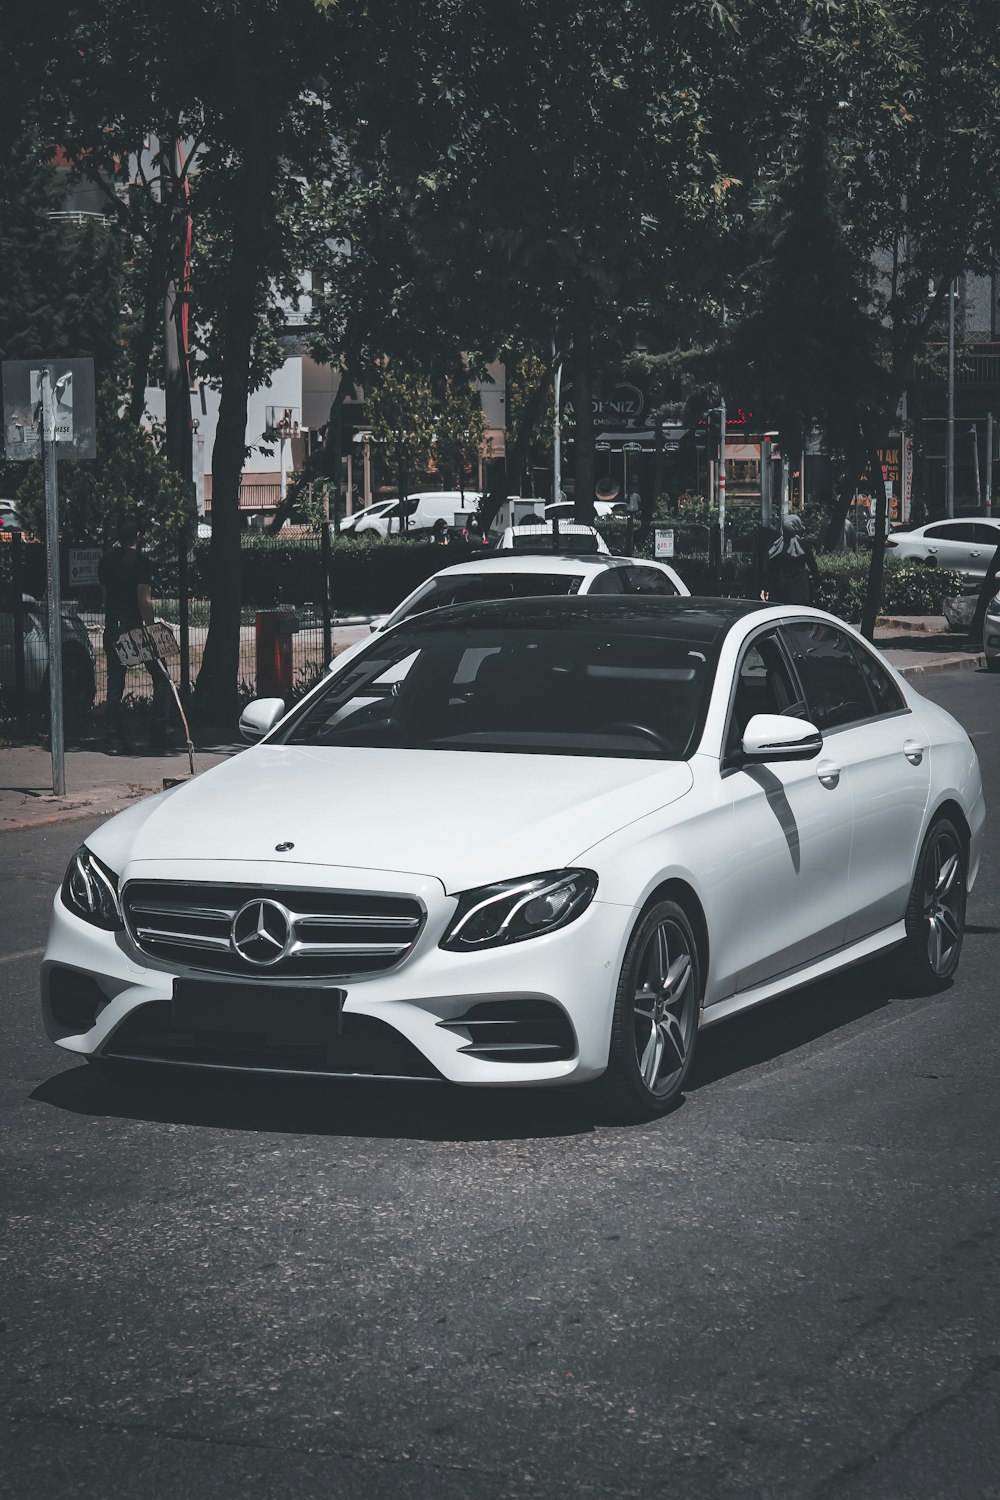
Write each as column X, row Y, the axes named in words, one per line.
column 575, row 970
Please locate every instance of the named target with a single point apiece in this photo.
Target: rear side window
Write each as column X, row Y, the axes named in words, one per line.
column 650, row 581
column 832, row 680
column 610, row 582
column 885, row 694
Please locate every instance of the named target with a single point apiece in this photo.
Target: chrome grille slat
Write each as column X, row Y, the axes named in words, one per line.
column 202, row 913
column 331, row 950
column 357, row 921
column 332, row 934
column 186, row 939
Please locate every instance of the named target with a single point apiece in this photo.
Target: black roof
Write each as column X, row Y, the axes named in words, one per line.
column 693, row 619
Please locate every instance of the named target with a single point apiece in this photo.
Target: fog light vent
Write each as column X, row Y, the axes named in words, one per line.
column 76, row 999
column 515, row 1031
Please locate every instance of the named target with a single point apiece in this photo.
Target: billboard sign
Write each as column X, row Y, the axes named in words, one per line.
column 73, row 408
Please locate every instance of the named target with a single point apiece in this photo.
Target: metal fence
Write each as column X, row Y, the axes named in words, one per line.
column 287, row 621
column 286, row 659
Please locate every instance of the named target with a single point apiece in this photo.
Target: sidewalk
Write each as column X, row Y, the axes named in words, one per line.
column 98, row 784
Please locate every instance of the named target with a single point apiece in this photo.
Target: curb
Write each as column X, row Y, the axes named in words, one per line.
column 950, row 663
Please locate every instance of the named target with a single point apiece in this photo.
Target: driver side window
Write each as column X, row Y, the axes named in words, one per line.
column 764, row 685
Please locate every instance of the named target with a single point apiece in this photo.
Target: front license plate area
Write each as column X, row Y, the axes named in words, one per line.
column 281, row 1013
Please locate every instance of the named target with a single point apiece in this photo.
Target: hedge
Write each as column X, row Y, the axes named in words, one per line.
column 372, row 574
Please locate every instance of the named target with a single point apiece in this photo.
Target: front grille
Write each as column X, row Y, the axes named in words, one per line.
column 514, row 1031
column 365, row 1048
column 330, row 934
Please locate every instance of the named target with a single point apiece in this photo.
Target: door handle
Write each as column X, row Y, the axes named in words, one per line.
column 913, row 751
column 973, row 554
column 932, row 551
column 828, row 772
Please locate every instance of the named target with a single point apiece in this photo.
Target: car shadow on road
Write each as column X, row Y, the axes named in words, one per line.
column 803, row 1016
column 308, row 1106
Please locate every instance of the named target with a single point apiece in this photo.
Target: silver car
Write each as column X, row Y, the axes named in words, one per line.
column 966, row 546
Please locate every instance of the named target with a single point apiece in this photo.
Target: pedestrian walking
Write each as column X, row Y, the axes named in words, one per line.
column 791, row 567
column 125, row 575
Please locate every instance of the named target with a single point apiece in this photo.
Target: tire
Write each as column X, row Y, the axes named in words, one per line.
column 655, row 1025
column 935, row 912
column 993, row 664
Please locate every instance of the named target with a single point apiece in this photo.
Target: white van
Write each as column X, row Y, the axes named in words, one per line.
column 422, row 510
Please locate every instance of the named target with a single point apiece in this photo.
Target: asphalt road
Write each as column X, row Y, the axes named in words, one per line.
column 788, row 1288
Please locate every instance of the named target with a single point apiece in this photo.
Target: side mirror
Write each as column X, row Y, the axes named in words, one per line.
column 377, row 623
column 260, row 716
column 775, row 737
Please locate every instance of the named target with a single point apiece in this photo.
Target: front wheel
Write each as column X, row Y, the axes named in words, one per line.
column 655, row 1021
column 935, row 912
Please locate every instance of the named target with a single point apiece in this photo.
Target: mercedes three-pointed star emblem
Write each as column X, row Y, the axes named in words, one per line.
column 261, row 933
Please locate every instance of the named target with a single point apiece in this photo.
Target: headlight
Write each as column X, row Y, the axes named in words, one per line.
column 90, row 891
column 514, row 910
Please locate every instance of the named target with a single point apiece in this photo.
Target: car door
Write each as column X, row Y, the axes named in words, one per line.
column 950, row 543
column 791, row 829
column 869, row 730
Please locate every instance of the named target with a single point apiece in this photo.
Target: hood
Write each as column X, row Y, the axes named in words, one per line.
column 394, row 810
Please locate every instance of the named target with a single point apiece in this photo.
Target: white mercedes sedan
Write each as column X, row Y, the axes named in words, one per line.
column 638, row 816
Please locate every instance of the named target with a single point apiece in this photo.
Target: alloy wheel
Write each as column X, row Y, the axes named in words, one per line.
column 943, row 900
column 664, row 1007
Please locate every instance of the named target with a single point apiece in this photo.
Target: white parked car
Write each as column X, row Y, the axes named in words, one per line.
column 967, row 546
column 604, row 510
column 10, row 520
column 637, row 817
column 367, row 513
column 79, row 680
column 544, row 536
column 518, row 575
column 421, row 511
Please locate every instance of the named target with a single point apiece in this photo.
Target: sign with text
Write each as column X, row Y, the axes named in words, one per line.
column 896, row 498
column 146, row 643
column 83, row 565
column 664, row 543
column 72, row 402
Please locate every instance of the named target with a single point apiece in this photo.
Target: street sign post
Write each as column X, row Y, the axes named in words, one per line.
column 48, row 405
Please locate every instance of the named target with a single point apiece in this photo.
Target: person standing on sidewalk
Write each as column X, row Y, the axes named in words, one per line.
column 790, row 566
column 126, row 577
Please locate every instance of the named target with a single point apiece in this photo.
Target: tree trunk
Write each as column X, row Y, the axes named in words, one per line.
column 152, row 313
column 217, row 689
column 177, row 388
column 583, row 415
column 873, row 594
column 854, row 460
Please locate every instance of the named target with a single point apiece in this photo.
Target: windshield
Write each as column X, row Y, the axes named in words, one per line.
column 470, row 587
column 585, row 690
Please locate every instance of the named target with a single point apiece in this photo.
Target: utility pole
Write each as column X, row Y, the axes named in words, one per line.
column 989, row 463
column 54, row 593
column 722, row 478
column 557, row 431
column 949, row 451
